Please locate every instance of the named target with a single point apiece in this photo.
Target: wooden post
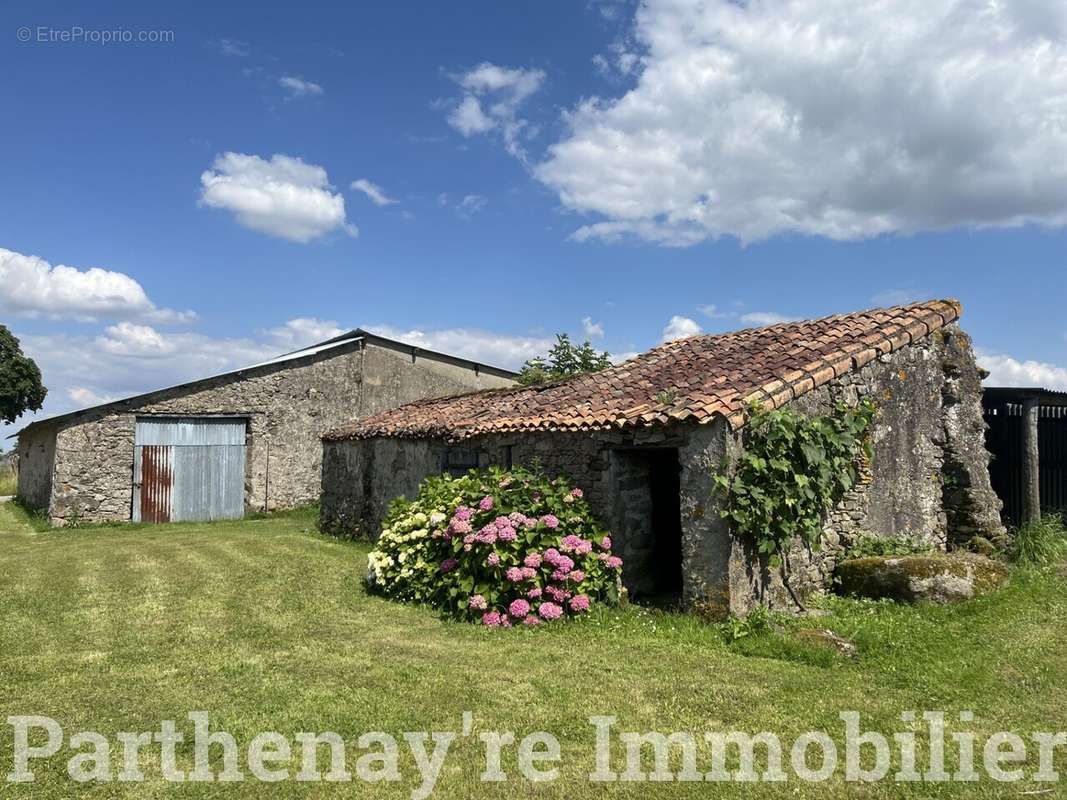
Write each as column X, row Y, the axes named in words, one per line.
column 1031, row 462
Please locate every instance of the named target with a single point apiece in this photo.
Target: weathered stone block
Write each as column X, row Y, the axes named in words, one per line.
column 937, row 578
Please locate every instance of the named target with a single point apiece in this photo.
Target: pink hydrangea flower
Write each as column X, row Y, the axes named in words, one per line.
column 514, row 574
column 462, row 513
column 577, row 576
column 505, row 621
column 551, row 555
column 477, row 602
column 529, row 522
column 449, row 564
column 564, row 563
column 493, row 560
column 460, row 527
column 579, row 603
column 570, row 543
column 614, row 562
column 532, row 560
column 487, row 535
column 550, row 520
column 516, row 518
column 550, row 611
column 606, row 542
column 491, row 618
column 507, row 534
column 519, row 608
column 528, row 572
column 561, row 575
column 576, row 492
column 486, row 503
column 534, row 593
column 531, row 620
column 557, row 594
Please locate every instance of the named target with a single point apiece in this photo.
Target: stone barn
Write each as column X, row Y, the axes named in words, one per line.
column 219, row 447
column 644, row 439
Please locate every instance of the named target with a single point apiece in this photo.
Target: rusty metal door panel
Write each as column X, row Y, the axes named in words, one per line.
column 156, row 482
column 204, row 465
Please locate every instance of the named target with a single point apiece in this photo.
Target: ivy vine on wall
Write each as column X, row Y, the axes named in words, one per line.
column 790, row 473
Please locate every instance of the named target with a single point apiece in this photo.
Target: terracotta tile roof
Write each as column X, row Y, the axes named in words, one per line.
column 689, row 380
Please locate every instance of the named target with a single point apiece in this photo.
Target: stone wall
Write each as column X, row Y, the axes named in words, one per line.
column 361, row 477
column 288, row 406
column 928, row 427
column 928, row 482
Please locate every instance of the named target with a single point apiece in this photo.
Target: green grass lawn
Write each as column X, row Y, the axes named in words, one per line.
column 265, row 624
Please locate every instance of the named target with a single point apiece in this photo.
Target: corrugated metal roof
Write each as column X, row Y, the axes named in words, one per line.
column 345, row 339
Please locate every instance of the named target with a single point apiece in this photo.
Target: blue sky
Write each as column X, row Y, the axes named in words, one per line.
column 612, row 170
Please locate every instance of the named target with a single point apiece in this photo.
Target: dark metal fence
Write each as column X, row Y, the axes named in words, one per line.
column 1004, row 439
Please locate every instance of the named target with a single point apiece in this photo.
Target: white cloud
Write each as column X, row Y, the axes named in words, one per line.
column 679, row 328
column 491, row 99
column 765, row 318
column 298, row 87
column 592, row 330
column 470, row 205
column 81, row 397
column 32, row 287
column 712, row 311
column 375, row 192
column 283, row 197
column 1007, row 371
column 141, row 341
column 468, row 117
column 233, row 47
column 302, row 332
column 498, row 350
column 825, row 117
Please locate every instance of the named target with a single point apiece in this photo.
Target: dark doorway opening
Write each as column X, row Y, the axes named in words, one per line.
column 666, row 562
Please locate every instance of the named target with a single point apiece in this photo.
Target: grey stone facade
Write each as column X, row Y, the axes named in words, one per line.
column 81, row 465
column 928, row 481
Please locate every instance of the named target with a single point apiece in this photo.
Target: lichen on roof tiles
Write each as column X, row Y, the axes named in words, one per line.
column 705, row 377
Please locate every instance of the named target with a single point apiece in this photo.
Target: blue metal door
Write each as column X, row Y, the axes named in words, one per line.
column 188, row 469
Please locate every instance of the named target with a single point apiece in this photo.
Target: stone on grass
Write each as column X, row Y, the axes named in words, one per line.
column 934, row 578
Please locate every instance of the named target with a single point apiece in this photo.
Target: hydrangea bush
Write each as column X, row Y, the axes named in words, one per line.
column 499, row 547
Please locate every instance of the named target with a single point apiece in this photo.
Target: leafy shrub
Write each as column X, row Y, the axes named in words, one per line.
column 563, row 360
column 868, row 545
column 1040, row 542
column 792, row 470
column 497, row 546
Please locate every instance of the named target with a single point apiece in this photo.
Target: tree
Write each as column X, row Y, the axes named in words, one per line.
column 563, row 360
column 20, row 380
